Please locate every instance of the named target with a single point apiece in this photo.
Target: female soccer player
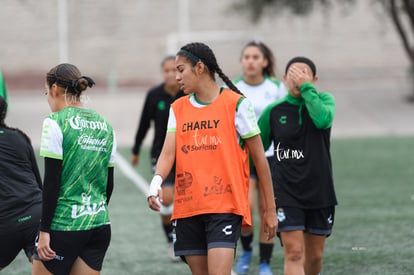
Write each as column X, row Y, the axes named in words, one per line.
column 209, row 134
column 20, row 192
column 260, row 86
column 79, row 146
column 300, row 128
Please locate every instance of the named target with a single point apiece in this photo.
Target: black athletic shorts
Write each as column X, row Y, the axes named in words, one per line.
column 314, row 221
column 19, row 233
column 195, row 235
column 14, row 241
column 89, row 245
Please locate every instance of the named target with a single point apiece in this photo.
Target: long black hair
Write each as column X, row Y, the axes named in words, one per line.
column 3, row 113
column 197, row 51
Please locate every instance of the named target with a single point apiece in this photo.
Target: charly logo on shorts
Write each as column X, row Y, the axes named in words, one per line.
column 59, row 258
column 281, row 215
column 227, row 230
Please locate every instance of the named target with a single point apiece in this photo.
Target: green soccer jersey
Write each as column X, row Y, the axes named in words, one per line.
column 85, row 142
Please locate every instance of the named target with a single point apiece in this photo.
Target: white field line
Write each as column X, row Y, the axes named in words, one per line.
column 136, row 178
column 130, row 173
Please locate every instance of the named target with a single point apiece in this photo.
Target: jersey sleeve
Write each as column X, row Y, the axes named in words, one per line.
column 113, row 153
column 246, row 123
column 52, row 140
column 172, row 122
column 321, row 106
column 264, row 126
column 144, row 124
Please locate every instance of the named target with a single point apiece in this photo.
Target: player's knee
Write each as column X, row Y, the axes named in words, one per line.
column 314, row 260
column 294, row 254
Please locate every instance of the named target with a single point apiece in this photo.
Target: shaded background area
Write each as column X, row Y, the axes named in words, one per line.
column 123, row 43
column 357, row 51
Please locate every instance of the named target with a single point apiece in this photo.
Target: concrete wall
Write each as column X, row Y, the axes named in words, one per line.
column 127, row 39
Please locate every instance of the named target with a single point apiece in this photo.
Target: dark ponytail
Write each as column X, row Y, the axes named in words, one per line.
column 69, row 78
column 195, row 52
column 3, row 112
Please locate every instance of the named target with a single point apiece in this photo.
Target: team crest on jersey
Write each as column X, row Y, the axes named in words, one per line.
column 161, row 105
column 87, row 208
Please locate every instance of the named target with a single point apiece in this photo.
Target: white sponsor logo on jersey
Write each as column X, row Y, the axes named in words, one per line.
column 86, row 208
column 79, row 124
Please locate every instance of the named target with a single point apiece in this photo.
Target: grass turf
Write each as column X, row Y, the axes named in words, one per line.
column 373, row 231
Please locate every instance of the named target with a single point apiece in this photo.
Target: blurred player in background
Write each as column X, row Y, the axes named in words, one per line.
column 156, row 108
column 260, row 86
column 20, row 192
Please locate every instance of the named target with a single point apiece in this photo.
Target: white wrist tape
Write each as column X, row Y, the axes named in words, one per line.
column 155, row 186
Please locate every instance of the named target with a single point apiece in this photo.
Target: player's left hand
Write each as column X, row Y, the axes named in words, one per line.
column 270, row 223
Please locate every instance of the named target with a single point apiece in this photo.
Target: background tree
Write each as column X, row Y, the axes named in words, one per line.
column 401, row 13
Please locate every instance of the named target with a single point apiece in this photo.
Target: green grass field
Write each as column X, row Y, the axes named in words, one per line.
column 373, row 231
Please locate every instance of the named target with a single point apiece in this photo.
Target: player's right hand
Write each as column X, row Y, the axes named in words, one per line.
column 43, row 247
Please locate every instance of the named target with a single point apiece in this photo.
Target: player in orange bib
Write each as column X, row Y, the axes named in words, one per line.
column 210, row 134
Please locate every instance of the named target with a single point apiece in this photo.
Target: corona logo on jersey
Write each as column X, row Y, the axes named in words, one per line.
column 79, row 124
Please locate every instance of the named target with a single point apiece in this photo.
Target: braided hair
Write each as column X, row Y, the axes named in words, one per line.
column 3, row 112
column 197, row 51
column 69, row 78
column 269, row 70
